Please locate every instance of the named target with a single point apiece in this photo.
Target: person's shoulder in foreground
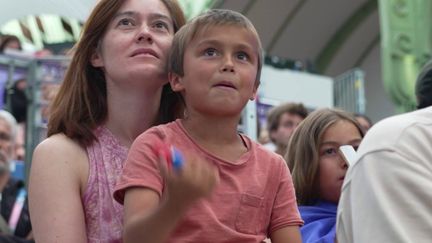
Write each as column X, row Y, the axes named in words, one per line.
column 386, row 194
column 388, row 132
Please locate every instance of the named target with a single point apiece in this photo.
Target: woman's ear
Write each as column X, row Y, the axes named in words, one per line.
column 176, row 82
column 96, row 59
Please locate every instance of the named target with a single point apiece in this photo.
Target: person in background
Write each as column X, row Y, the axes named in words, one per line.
column 13, row 206
column 20, row 143
column 364, row 121
column 18, row 100
column 229, row 188
column 114, row 89
column 282, row 120
column 423, row 88
column 318, row 169
column 10, row 42
column 386, row 196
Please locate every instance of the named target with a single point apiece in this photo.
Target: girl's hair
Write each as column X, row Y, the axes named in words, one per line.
column 303, row 151
column 81, row 103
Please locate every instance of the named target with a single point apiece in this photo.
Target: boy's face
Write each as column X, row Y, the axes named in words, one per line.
column 220, row 68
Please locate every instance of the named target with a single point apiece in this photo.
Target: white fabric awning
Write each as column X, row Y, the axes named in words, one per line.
column 15, row 9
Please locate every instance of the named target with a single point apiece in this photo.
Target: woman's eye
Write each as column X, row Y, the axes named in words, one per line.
column 243, row 56
column 161, row 25
column 125, row 22
column 210, row 52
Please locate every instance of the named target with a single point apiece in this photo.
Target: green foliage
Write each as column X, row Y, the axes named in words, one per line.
column 192, row 8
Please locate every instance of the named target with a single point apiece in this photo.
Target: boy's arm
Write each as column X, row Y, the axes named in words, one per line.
column 149, row 219
column 145, row 219
column 289, row 234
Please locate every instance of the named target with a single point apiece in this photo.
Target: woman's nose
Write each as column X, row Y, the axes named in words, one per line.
column 144, row 35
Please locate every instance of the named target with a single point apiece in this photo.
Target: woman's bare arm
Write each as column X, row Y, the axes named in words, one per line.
column 58, row 175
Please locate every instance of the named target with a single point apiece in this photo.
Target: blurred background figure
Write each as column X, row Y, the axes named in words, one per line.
column 364, row 121
column 282, row 120
column 423, row 87
column 8, row 129
column 264, row 138
column 18, row 100
column 13, row 206
column 9, row 42
column 20, row 143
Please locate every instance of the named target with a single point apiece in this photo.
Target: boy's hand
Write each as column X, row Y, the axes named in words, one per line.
column 194, row 180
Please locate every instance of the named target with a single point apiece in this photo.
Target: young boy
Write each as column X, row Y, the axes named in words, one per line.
column 229, row 189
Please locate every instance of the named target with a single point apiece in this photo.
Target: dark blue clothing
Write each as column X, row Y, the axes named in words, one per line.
column 9, row 195
column 319, row 222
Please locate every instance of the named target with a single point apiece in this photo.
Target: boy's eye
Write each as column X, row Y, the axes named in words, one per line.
column 243, row 56
column 211, row 52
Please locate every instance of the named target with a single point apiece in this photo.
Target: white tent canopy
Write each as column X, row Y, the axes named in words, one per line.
column 77, row 9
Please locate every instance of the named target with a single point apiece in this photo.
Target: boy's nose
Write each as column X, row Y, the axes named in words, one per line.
column 228, row 69
column 228, row 65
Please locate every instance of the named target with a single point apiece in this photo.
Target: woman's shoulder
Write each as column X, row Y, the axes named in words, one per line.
column 60, row 152
column 59, row 143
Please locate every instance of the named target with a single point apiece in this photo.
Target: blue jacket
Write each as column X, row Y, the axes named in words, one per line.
column 319, row 222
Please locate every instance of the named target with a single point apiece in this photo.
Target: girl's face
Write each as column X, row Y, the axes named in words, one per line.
column 332, row 167
column 136, row 44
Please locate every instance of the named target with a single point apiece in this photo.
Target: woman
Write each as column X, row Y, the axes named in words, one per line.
column 111, row 93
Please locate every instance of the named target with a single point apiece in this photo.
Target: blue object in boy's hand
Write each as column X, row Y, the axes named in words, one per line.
column 177, row 158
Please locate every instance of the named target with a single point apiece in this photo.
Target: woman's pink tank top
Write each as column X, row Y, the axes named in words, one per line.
column 104, row 216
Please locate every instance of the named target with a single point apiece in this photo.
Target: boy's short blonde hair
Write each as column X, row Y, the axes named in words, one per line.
column 211, row 18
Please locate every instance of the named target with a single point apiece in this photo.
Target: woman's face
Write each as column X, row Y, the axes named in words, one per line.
column 136, row 43
column 332, row 167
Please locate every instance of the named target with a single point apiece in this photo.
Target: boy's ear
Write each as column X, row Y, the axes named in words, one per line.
column 175, row 81
column 96, row 59
column 254, row 92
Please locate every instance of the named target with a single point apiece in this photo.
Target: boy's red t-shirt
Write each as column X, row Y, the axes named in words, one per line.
column 255, row 195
